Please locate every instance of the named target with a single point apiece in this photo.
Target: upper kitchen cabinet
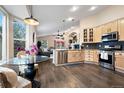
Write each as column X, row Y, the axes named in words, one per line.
column 85, row 35
column 97, row 34
column 88, row 35
column 104, row 29
column 114, row 26
column 91, row 35
column 110, row 27
column 121, row 29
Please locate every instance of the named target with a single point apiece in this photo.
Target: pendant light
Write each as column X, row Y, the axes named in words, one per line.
column 31, row 20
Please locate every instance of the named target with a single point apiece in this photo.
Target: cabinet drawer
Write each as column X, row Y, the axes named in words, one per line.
column 119, row 64
column 119, row 61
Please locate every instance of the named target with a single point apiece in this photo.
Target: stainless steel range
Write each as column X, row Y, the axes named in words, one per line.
column 107, row 51
column 107, row 59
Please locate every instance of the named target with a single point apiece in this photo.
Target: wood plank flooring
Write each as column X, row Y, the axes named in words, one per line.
column 77, row 76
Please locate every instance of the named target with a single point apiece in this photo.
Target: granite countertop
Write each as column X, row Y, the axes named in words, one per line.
column 68, row 49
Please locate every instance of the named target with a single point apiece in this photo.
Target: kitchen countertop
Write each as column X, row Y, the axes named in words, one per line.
column 68, row 49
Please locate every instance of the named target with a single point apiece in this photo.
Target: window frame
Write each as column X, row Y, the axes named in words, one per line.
column 14, row 39
column 4, row 34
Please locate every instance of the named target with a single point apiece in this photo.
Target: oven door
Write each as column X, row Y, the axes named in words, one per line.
column 107, row 62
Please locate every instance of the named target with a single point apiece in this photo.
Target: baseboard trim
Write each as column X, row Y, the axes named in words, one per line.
column 119, row 70
column 68, row 63
column 89, row 62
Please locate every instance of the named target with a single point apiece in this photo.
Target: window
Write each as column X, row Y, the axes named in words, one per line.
column 19, row 35
column 3, row 31
column 44, row 43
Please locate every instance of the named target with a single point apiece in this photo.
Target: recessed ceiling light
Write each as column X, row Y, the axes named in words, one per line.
column 92, row 8
column 74, row 8
column 70, row 19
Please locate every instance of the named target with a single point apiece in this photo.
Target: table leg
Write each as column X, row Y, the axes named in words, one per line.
column 30, row 73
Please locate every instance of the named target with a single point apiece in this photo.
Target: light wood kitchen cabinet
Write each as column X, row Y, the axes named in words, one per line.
column 85, row 35
column 91, row 55
column 75, row 56
column 119, row 60
column 97, row 34
column 121, row 29
column 96, row 56
column 88, row 35
column 103, row 29
column 114, row 26
column 110, row 27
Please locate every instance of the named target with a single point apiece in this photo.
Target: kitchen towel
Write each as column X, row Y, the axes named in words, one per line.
column 106, row 56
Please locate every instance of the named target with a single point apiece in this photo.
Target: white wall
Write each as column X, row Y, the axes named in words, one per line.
column 29, row 36
column 49, row 38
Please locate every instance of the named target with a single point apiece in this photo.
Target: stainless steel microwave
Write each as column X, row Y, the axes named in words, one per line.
column 112, row 36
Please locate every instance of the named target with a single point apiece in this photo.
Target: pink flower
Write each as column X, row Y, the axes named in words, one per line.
column 28, row 52
column 32, row 50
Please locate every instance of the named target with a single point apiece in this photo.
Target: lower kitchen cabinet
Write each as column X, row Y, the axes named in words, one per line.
column 59, row 57
column 119, row 61
column 75, row 56
column 91, row 55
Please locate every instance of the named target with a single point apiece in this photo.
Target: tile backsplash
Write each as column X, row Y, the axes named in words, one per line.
column 99, row 45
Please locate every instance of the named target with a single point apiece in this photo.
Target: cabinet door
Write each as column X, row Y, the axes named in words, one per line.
column 121, row 29
column 71, row 56
column 80, row 56
column 85, row 35
column 119, row 61
column 97, row 34
column 96, row 56
column 91, row 35
column 104, row 29
column 114, row 26
column 86, row 55
column 75, row 56
column 108, row 27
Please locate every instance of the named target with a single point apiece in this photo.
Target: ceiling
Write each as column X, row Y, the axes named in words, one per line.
column 19, row 11
column 51, row 16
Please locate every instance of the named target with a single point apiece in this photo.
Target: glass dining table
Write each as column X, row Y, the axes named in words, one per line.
column 30, row 61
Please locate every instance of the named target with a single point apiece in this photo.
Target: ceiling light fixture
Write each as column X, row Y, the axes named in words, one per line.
column 31, row 20
column 74, row 8
column 70, row 19
column 92, row 8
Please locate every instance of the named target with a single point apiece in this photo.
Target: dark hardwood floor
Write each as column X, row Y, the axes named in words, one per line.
column 78, row 76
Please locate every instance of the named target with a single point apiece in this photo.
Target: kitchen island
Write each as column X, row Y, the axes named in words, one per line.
column 67, row 56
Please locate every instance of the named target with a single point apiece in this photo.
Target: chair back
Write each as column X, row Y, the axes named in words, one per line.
column 4, row 82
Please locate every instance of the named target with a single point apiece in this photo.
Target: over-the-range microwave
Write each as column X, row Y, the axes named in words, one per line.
column 112, row 36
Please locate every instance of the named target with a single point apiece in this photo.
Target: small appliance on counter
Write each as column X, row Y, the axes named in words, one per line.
column 75, row 46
